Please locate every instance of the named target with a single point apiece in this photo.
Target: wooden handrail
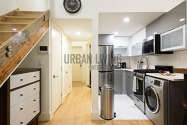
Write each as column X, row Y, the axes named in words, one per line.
column 14, row 61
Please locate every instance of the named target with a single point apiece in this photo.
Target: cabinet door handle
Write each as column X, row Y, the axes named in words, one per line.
column 21, row 123
column 21, row 79
column 34, row 100
column 21, row 109
column 34, row 111
column 34, row 76
column 21, row 94
column 34, row 88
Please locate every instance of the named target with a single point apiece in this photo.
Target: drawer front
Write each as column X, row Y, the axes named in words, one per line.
column 25, row 102
column 17, row 96
column 17, row 115
column 33, row 90
column 16, row 81
column 23, row 79
column 36, row 89
column 32, row 108
column 32, row 77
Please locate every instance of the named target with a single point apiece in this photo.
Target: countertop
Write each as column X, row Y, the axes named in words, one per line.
column 130, row 70
column 172, row 77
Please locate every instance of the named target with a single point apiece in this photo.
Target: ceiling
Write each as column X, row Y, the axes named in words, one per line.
column 109, row 23
column 71, row 27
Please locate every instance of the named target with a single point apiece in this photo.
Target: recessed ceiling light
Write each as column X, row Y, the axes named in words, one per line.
column 126, row 19
column 116, row 33
column 78, row 33
column 14, row 29
column 182, row 19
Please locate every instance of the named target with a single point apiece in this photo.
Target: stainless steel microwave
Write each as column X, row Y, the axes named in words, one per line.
column 152, row 46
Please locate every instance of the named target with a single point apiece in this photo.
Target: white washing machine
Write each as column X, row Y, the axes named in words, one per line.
column 155, row 100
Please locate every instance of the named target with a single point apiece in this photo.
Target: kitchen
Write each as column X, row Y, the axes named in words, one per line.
column 149, row 62
column 146, row 39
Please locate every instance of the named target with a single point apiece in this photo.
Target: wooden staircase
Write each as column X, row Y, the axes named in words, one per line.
column 20, row 31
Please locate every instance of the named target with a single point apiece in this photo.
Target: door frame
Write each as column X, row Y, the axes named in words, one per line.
column 54, row 26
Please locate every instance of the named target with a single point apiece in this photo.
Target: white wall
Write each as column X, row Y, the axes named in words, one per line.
column 7, row 5
column 32, row 5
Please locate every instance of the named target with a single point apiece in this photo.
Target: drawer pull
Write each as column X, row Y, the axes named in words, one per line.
column 34, row 111
column 34, row 100
column 21, row 94
column 21, row 109
column 21, row 79
column 21, row 123
column 34, row 76
column 34, row 88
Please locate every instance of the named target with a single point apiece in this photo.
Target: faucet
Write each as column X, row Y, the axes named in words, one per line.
column 141, row 62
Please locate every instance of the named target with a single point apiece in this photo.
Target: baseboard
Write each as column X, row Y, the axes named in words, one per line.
column 45, row 117
column 95, row 116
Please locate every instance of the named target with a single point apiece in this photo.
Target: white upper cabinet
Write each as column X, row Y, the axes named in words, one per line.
column 120, row 52
column 137, row 42
column 136, row 49
column 174, row 39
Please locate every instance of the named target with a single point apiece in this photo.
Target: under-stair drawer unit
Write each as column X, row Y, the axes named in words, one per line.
column 24, row 94
column 23, row 79
column 174, row 40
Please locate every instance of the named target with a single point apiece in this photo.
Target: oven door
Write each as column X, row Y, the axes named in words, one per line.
column 139, row 88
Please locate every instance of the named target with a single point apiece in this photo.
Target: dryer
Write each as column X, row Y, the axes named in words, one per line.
column 155, row 92
column 163, row 101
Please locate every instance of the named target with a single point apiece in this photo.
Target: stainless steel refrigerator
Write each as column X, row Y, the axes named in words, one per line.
column 106, row 87
column 105, row 65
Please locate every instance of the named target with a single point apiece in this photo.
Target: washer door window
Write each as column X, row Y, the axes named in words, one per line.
column 152, row 99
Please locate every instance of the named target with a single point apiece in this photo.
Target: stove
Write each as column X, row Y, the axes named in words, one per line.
column 146, row 71
column 139, row 87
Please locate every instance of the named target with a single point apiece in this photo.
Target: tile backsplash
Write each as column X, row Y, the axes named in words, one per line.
column 178, row 60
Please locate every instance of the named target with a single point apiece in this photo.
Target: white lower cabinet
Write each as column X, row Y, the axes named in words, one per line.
column 25, row 102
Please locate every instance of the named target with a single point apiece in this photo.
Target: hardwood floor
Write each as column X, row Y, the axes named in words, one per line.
column 77, row 111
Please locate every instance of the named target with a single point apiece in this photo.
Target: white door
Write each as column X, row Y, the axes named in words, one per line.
column 76, row 66
column 67, row 66
column 56, row 70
